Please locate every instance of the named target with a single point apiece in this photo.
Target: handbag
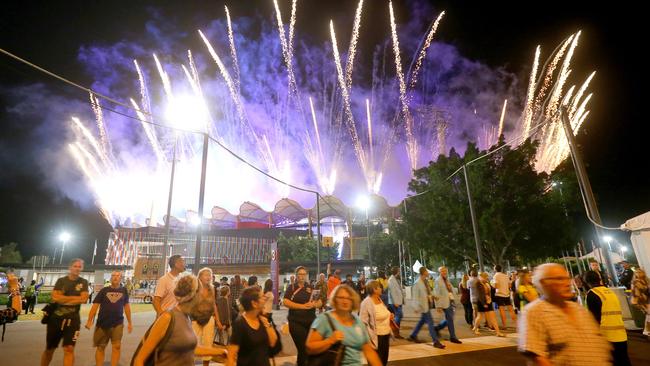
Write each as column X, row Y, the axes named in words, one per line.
column 151, row 360
column 333, row 356
column 48, row 310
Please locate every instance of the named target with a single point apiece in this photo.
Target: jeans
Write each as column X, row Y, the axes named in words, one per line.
column 449, row 321
column 469, row 313
column 397, row 311
column 425, row 318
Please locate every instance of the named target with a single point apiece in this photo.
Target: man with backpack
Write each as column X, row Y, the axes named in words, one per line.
column 113, row 303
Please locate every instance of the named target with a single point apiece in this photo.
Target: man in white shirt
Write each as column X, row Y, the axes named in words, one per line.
column 163, row 298
column 501, row 283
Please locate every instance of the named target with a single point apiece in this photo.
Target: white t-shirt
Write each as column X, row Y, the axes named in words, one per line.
column 165, row 290
column 502, row 284
column 382, row 319
column 268, row 305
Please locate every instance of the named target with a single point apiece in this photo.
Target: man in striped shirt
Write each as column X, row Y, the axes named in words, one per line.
column 556, row 331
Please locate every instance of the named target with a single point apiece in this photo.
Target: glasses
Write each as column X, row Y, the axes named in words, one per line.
column 343, row 298
column 301, row 273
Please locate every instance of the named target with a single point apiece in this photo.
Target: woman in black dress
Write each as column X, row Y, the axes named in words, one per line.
column 252, row 335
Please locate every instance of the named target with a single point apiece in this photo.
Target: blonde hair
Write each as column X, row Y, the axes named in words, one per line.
column 371, row 286
column 356, row 300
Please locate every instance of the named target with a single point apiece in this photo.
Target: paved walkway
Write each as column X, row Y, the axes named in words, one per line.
column 25, row 340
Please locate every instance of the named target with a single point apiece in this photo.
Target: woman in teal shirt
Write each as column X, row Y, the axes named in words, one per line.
column 350, row 331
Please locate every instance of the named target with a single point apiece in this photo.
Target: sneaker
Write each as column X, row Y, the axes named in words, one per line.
column 397, row 336
column 413, row 339
column 455, row 340
column 437, row 344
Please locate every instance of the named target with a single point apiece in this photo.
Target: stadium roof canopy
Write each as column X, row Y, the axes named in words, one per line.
column 288, row 212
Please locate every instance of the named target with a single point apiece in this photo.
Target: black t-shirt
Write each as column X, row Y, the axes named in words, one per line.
column 69, row 287
column 111, row 309
column 300, row 295
column 253, row 343
column 594, row 304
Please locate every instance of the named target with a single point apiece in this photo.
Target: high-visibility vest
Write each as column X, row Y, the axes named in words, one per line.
column 611, row 318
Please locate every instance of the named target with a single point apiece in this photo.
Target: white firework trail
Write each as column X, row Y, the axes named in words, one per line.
column 347, row 107
column 530, row 94
column 101, row 127
column 502, row 119
column 144, row 93
column 286, row 52
column 81, row 161
column 349, row 66
column 548, row 78
column 164, row 77
column 89, row 157
column 411, row 142
column 580, row 93
column 564, row 74
column 313, row 117
column 423, row 52
column 370, row 148
column 149, row 132
column 233, row 49
column 92, row 141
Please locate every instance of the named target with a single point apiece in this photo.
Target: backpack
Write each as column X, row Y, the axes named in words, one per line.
column 151, row 360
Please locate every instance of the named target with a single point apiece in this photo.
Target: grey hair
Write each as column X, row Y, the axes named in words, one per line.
column 541, row 272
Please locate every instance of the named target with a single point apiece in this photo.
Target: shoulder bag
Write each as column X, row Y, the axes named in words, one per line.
column 333, row 356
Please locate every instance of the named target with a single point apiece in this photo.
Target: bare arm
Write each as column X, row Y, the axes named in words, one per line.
column 59, row 298
column 270, row 332
column 157, row 333
column 294, row 305
column 233, row 349
column 156, row 305
column 316, row 344
column 91, row 315
column 371, row 355
column 127, row 312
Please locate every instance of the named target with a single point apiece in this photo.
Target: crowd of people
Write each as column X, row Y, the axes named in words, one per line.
column 560, row 319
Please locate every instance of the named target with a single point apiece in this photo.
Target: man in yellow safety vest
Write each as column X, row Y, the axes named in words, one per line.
column 604, row 305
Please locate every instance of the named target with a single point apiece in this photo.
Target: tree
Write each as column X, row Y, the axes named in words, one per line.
column 9, row 254
column 518, row 220
column 302, row 249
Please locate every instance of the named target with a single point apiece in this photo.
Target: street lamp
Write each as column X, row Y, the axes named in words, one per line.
column 64, row 237
column 193, row 112
column 623, row 250
column 363, row 202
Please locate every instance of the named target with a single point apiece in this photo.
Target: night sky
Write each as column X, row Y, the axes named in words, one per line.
column 500, row 34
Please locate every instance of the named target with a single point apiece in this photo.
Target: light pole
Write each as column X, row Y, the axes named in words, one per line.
column 623, row 249
column 364, row 203
column 64, row 237
column 188, row 112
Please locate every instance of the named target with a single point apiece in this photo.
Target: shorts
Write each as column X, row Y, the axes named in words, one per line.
column 484, row 308
column 502, row 301
column 103, row 335
column 62, row 328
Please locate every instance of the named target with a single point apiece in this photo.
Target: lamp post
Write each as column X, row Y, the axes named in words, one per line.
column 64, row 237
column 188, row 112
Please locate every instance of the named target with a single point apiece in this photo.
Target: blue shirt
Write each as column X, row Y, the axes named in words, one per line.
column 355, row 336
column 111, row 306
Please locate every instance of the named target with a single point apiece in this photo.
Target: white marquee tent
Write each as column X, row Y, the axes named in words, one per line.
column 640, row 237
